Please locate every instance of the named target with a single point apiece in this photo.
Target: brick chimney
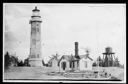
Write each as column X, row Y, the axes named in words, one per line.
column 76, row 50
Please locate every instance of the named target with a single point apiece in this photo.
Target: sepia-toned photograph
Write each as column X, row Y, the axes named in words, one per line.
column 64, row 42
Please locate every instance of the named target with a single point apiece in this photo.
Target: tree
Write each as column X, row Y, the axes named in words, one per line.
column 106, row 63
column 14, row 60
column 7, row 60
column 21, row 63
column 100, row 61
column 94, row 64
column 116, row 63
column 26, row 62
column 43, row 63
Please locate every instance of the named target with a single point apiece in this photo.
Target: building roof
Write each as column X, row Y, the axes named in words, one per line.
column 68, row 58
column 53, row 59
column 73, row 58
column 85, row 56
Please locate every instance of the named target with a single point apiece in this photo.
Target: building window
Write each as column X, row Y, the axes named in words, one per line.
column 77, row 63
column 85, row 64
column 73, row 64
column 70, row 64
column 51, row 63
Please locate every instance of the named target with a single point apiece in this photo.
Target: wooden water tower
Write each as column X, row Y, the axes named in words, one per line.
column 108, row 57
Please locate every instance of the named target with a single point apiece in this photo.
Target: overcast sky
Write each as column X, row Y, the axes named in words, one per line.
column 94, row 26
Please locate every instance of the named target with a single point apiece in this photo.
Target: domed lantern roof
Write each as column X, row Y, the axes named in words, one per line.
column 35, row 9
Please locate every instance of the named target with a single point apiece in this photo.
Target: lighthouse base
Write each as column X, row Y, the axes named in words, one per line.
column 35, row 62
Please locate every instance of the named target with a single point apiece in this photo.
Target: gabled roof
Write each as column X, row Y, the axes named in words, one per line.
column 85, row 56
column 53, row 59
column 68, row 58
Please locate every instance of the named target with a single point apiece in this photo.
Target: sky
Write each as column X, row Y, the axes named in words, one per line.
column 94, row 26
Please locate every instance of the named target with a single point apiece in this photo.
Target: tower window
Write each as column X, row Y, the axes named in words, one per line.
column 33, row 30
column 37, row 25
column 37, row 29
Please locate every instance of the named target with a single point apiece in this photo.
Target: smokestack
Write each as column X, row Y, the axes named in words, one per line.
column 76, row 50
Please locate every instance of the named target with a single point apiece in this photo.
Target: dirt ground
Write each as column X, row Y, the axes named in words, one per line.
column 114, row 71
column 41, row 73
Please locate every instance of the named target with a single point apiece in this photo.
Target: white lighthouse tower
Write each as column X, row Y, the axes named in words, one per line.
column 35, row 58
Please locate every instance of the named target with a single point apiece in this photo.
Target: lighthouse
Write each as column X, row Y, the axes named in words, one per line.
column 35, row 58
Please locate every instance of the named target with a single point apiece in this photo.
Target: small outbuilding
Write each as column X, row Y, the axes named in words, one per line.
column 68, row 62
column 53, row 63
column 85, row 63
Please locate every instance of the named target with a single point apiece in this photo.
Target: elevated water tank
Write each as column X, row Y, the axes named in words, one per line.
column 108, row 50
